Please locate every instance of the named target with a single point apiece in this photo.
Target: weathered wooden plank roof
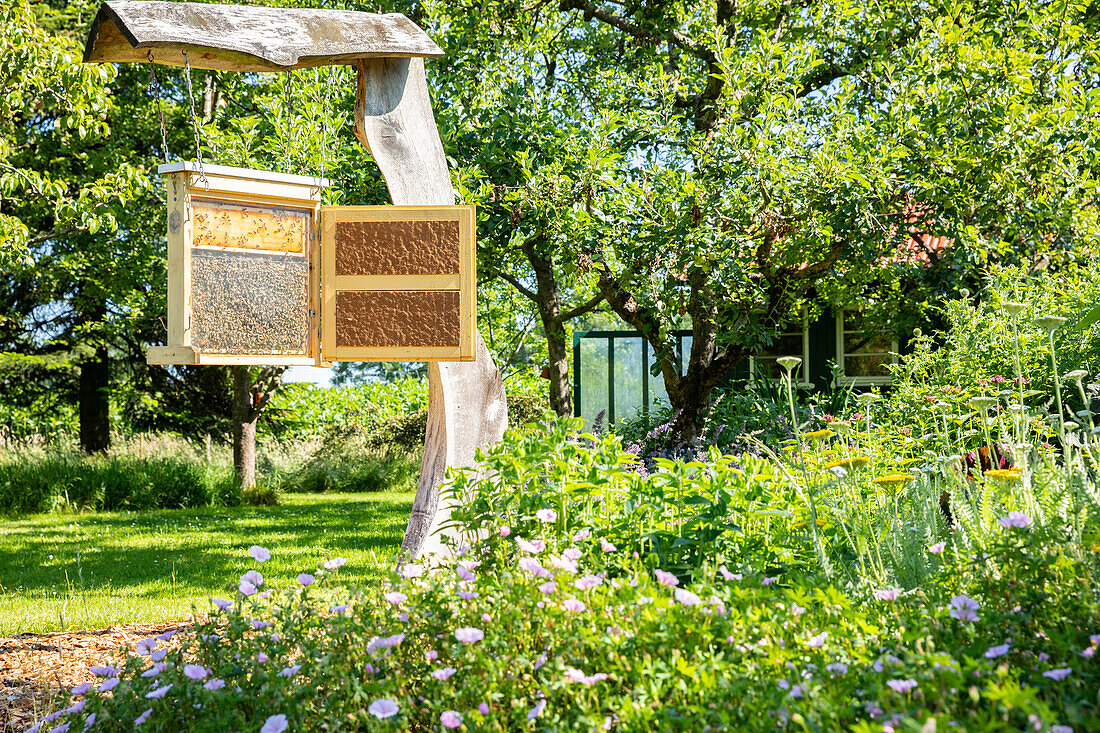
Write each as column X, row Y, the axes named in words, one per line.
column 248, row 37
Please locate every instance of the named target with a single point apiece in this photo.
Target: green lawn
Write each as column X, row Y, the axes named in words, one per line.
column 86, row 571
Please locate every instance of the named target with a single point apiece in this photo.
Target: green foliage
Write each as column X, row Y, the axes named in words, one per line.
column 345, row 466
column 49, row 481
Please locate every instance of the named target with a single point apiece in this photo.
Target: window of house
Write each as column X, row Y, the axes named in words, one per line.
column 792, row 342
column 864, row 349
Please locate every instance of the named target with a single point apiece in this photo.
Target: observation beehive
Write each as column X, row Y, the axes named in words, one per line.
column 253, row 279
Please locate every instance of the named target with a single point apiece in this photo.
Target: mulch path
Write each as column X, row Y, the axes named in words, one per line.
column 34, row 668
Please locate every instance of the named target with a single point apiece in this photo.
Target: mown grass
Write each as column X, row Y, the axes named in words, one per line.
column 84, row 571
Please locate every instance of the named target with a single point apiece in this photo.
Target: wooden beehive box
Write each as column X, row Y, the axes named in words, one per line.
column 260, row 273
column 242, row 280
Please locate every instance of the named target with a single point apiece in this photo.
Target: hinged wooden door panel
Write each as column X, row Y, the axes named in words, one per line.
column 398, row 283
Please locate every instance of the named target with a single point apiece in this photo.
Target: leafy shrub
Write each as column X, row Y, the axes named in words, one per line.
column 49, row 481
column 350, row 466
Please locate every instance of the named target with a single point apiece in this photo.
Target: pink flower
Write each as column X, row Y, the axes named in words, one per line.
column 769, row 580
column 250, row 581
column 534, row 546
column 483, row 709
column 964, row 608
column 334, row 563
column 581, row 535
column 564, row 563
column 194, row 671
column 937, row 548
column 607, row 546
column 575, row 675
column 469, row 634
column 901, row 686
column 666, row 578
column 548, row 587
column 274, row 724
column 259, row 554
column 996, row 651
column 159, row 692
column 214, row 684
column 888, row 594
column 573, row 605
column 466, row 595
column 727, row 574
column 505, row 530
column 383, row 708
column 1015, row 519
column 572, row 553
column 395, row 597
column 588, row 581
column 1058, row 674
column 546, row 515
column 443, row 673
column 143, row 717
column 534, row 567
column 306, row 579
column 797, row 610
column 686, row 597
column 465, row 574
column 450, row 719
column 412, row 570
column 819, row 640
column 486, row 618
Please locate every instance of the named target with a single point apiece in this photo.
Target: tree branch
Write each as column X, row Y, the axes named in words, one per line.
column 580, row 310
column 591, row 10
column 527, row 293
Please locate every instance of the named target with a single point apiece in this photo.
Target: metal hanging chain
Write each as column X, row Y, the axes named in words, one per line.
column 328, row 86
column 155, row 90
column 286, row 89
column 195, row 122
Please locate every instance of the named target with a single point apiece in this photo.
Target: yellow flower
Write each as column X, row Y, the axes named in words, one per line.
column 1007, row 474
column 820, row 434
column 895, row 478
column 849, row 464
column 821, row 522
column 1095, row 547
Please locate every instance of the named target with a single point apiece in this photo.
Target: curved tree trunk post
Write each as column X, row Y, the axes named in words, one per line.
column 466, row 401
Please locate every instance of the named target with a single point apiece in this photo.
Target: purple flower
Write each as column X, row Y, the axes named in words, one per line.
column 158, row 655
column 937, row 548
column 769, row 580
column 194, row 671
column 154, row 670
column 901, row 686
column 837, row 669
column 334, row 563
column 888, row 594
column 665, row 578
column 466, row 595
column 469, row 634
column 1015, row 519
column 146, row 646
column 250, row 581
column 274, row 724
column 996, row 651
column 143, row 717
column 290, row 671
column 214, row 684
column 259, row 554
column 819, row 640
column 306, row 579
column 546, row 515
column 76, row 707
column 964, row 608
column 582, row 534
column 537, row 710
column 728, row 575
column 465, row 574
column 444, row 673
column 1058, row 674
column 339, row 608
column 258, row 624
column 81, row 689
column 548, row 587
column 159, row 692
column 383, row 708
column 483, row 708
column 533, row 566
column 395, row 597
column 261, row 658
column 1088, row 652
column 450, row 719
column 686, row 597
column 109, row 684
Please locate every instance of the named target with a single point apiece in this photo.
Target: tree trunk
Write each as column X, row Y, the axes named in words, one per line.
column 561, row 396
column 95, row 408
column 244, row 419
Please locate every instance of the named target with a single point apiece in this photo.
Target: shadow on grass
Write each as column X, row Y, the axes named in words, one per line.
column 192, row 551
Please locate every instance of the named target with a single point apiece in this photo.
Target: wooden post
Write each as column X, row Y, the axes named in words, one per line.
column 466, row 400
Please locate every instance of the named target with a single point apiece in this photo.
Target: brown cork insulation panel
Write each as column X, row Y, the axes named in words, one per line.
column 396, row 247
column 397, row 318
column 249, row 303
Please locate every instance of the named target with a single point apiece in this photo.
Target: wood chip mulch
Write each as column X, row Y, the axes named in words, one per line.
column 34, row 668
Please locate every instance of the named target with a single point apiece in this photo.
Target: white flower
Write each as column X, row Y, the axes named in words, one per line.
column 686, row 597
column 334, row 563
column 546, row 515
column 274, row 724
column 412, row 570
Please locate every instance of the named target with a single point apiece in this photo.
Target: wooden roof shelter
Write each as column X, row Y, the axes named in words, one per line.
column 249, row 37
